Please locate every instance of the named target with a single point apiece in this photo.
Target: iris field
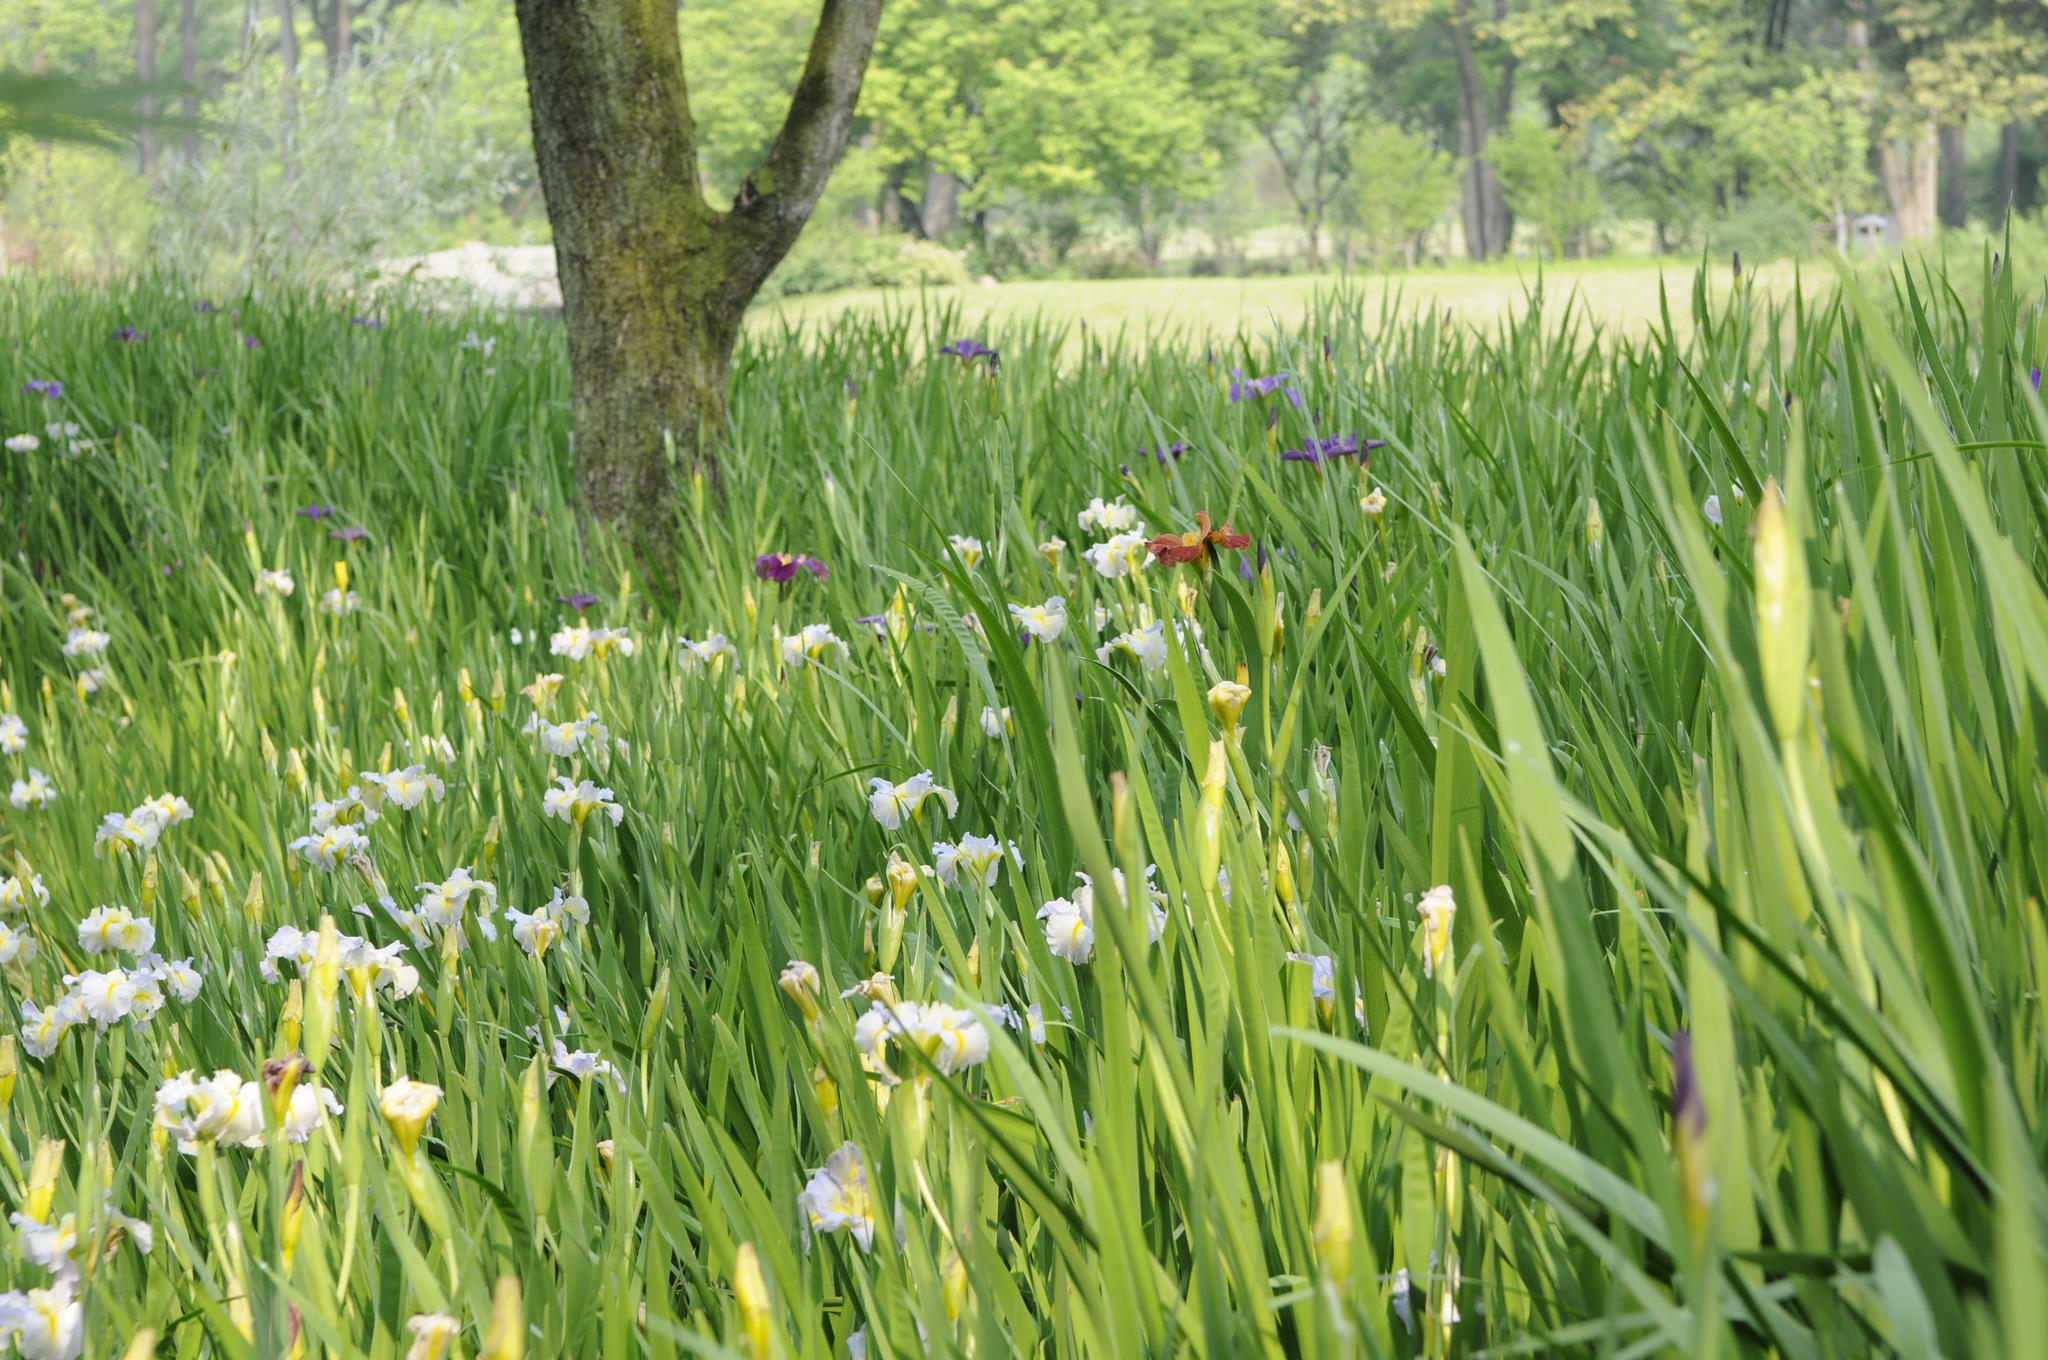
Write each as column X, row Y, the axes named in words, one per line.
column 1560, row 872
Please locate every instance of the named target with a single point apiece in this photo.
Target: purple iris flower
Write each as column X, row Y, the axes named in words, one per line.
column 2034, row 377
column 1258, row 389
column 967, row 351
column 204, row 308
column 1165, row 452
column 316, row 512
column 852, row 389
column 129, row 335
column 1336, row 446
column 375, row 323
column 43, row 387
column 579, row 602
column 349, row 533
column 782, row 568
column 251, row 342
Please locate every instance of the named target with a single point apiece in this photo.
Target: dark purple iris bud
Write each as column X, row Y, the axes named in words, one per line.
column 204, row 308
column 579, row 601
column 316, row 512
column 1174, row 451
column 48, row 388
column 251, row 342
column 1688, row 1111
column 349, row 533
column 128, row 335
column 852, row 389
column 2034, row 377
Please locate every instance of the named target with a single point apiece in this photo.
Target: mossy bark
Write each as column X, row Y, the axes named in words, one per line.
column 654, row 280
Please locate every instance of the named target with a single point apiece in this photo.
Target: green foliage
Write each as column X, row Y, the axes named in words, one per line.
column 1401, row 185
column 1069, row 136
column 744, row 57
column 834, row 252
column 1812, row 140
column 1544, row 175
column 1766, row 779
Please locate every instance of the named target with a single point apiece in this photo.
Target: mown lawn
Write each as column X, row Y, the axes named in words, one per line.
column 1621, row 296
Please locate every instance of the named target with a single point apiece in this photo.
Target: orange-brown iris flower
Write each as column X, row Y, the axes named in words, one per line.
column 1196, row 545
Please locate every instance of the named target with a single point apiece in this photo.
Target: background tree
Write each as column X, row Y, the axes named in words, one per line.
column 145, row 76
column 1543, row 174
column 1400, row 186
column 654, row 279
column 1813, row 141
column 926, row 102
column 1315, row 97
column 1486, row 68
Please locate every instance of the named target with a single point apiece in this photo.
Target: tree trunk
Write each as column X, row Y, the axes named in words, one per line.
column 145, row 74
column 188, row 75
column 889, row 203
column 337, row 38
column 288, row 57
column 1142, row 223
column 654, row 281
column 1908, row 169
column 1501, row 228
column 2009, row 168
column 940, row 211
column 1479, row 188
column 1955, row 186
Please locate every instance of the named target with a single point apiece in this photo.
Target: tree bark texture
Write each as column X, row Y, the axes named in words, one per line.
column 188, row 76
column 1955, row 179
column 288, row 57
column 1482, row 207
column 939, row 214
column 2008, row 167
column 145, row 73
column 340, row 35
column 654, row 279
column 1908, row 169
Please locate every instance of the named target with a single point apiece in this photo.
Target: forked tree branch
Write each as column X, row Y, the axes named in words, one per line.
column 774, row 201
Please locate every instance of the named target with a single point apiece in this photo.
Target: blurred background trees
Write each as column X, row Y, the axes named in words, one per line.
column 1067, row 137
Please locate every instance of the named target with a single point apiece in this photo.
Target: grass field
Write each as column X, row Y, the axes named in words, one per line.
column 1566, row 879
column 1620, row 296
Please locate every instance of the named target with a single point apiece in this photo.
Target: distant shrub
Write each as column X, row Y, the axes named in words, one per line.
column 1766, row 227
column 846, row 257
column 1107, row 260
